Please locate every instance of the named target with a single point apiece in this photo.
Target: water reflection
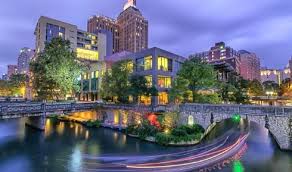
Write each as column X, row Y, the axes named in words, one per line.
column 63, row 146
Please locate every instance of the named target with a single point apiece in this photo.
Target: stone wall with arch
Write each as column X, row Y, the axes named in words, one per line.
column 278, row 120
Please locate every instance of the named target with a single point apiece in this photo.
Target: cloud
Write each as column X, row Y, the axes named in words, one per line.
column 183, row 27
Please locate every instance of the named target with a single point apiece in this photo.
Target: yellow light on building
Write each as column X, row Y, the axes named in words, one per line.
column 87, row 54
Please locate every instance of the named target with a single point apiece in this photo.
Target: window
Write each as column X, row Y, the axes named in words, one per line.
column 96, row 74
column 146, row 100
column 148, row 63
column 54, row 31
column 149, row 80
column 164, row 81
column 162, row 98
column 144, row 63
column 164, row 64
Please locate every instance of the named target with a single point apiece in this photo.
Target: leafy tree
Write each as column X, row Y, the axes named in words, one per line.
column 116, row 82
column 255, row 88
column 180, row 93
column 285, row 89
column 199, row 74
column 272, row 87
column 106, row 86
column 17, row 84
column 235, row 90
column 5, row 88
column 140, row 87
column 56, row 71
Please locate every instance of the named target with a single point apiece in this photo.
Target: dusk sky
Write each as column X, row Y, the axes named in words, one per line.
column 180, row 26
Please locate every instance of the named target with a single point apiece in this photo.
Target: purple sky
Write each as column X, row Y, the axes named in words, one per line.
column 180, row 26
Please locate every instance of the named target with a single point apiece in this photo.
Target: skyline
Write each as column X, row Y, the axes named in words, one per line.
column 264, row 30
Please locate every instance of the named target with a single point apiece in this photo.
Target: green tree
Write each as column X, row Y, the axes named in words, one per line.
column 140, row 87
column 284, row 90
column 116, row 82
column 4, row 89
column 180, row 92
column 271, row 88
column 56, row 71
column 255, row 88
column 17, row 84
column 199, row 74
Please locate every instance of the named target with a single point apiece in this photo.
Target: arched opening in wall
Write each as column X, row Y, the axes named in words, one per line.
column 260, row 140
column 190, row 120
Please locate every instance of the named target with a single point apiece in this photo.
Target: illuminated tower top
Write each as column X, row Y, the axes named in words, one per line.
column 130, row 3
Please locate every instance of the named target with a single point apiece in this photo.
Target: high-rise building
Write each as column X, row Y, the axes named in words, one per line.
column 99, row 23
column 129, row 31
column 24, row 58
column 11, row 70
column 250, row 67
column 90, row 49
column 221, row 53
column 133, row 28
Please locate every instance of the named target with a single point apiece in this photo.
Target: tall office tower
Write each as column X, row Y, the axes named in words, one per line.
column 99, row 23
column 250, row 67
column 24, row 58
column 11, row 70
column 133, row 28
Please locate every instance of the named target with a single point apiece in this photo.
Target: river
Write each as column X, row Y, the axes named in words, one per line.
column 71, row 147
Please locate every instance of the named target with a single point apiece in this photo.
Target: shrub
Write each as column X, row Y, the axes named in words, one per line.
column 163, row 139
column 91, row 123
column 146, row 130
column 132, row 129
column 178, row 132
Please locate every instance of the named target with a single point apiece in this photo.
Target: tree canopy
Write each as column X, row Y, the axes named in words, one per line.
column 56, row 71
column 194, row 76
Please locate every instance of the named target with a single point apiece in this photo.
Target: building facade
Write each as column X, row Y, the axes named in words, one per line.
column 90, row 49
column 24, row 58
column 129, row 31
column 133, row 28
column 271, row 75
column 159, row 68
column 11, row 70
column 99, row 23
column 220, row 53
column 250, row 68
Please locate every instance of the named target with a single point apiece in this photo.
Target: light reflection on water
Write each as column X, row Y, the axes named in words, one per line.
column 63, row 145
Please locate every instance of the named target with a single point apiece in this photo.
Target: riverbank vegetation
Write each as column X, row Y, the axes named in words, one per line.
column 165, row 130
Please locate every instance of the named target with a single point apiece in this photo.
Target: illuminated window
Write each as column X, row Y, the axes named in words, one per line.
column 130, row 66
column 164, row 81
column 148, row 63
column 87, row 54
column 88, row 47
column 149, row 80
column 146, row 100
column 144, row 63
column 92, row 75
column 164, row 64
column 96, row 74
column 162, row 98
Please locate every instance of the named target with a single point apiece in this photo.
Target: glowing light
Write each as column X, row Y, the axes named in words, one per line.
column 166, row 131
column 236, row 118
column 87, row 54
column 237, row 166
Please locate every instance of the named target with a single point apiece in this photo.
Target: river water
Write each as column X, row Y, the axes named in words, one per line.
column 62, row 147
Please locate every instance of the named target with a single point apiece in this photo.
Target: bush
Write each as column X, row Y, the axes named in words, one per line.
column 178, row 132
column 132, row 129
column 146, row 130
column 91, row 123
column 163, row 139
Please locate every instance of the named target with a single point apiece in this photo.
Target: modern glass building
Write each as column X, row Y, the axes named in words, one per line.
column 159, row 68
